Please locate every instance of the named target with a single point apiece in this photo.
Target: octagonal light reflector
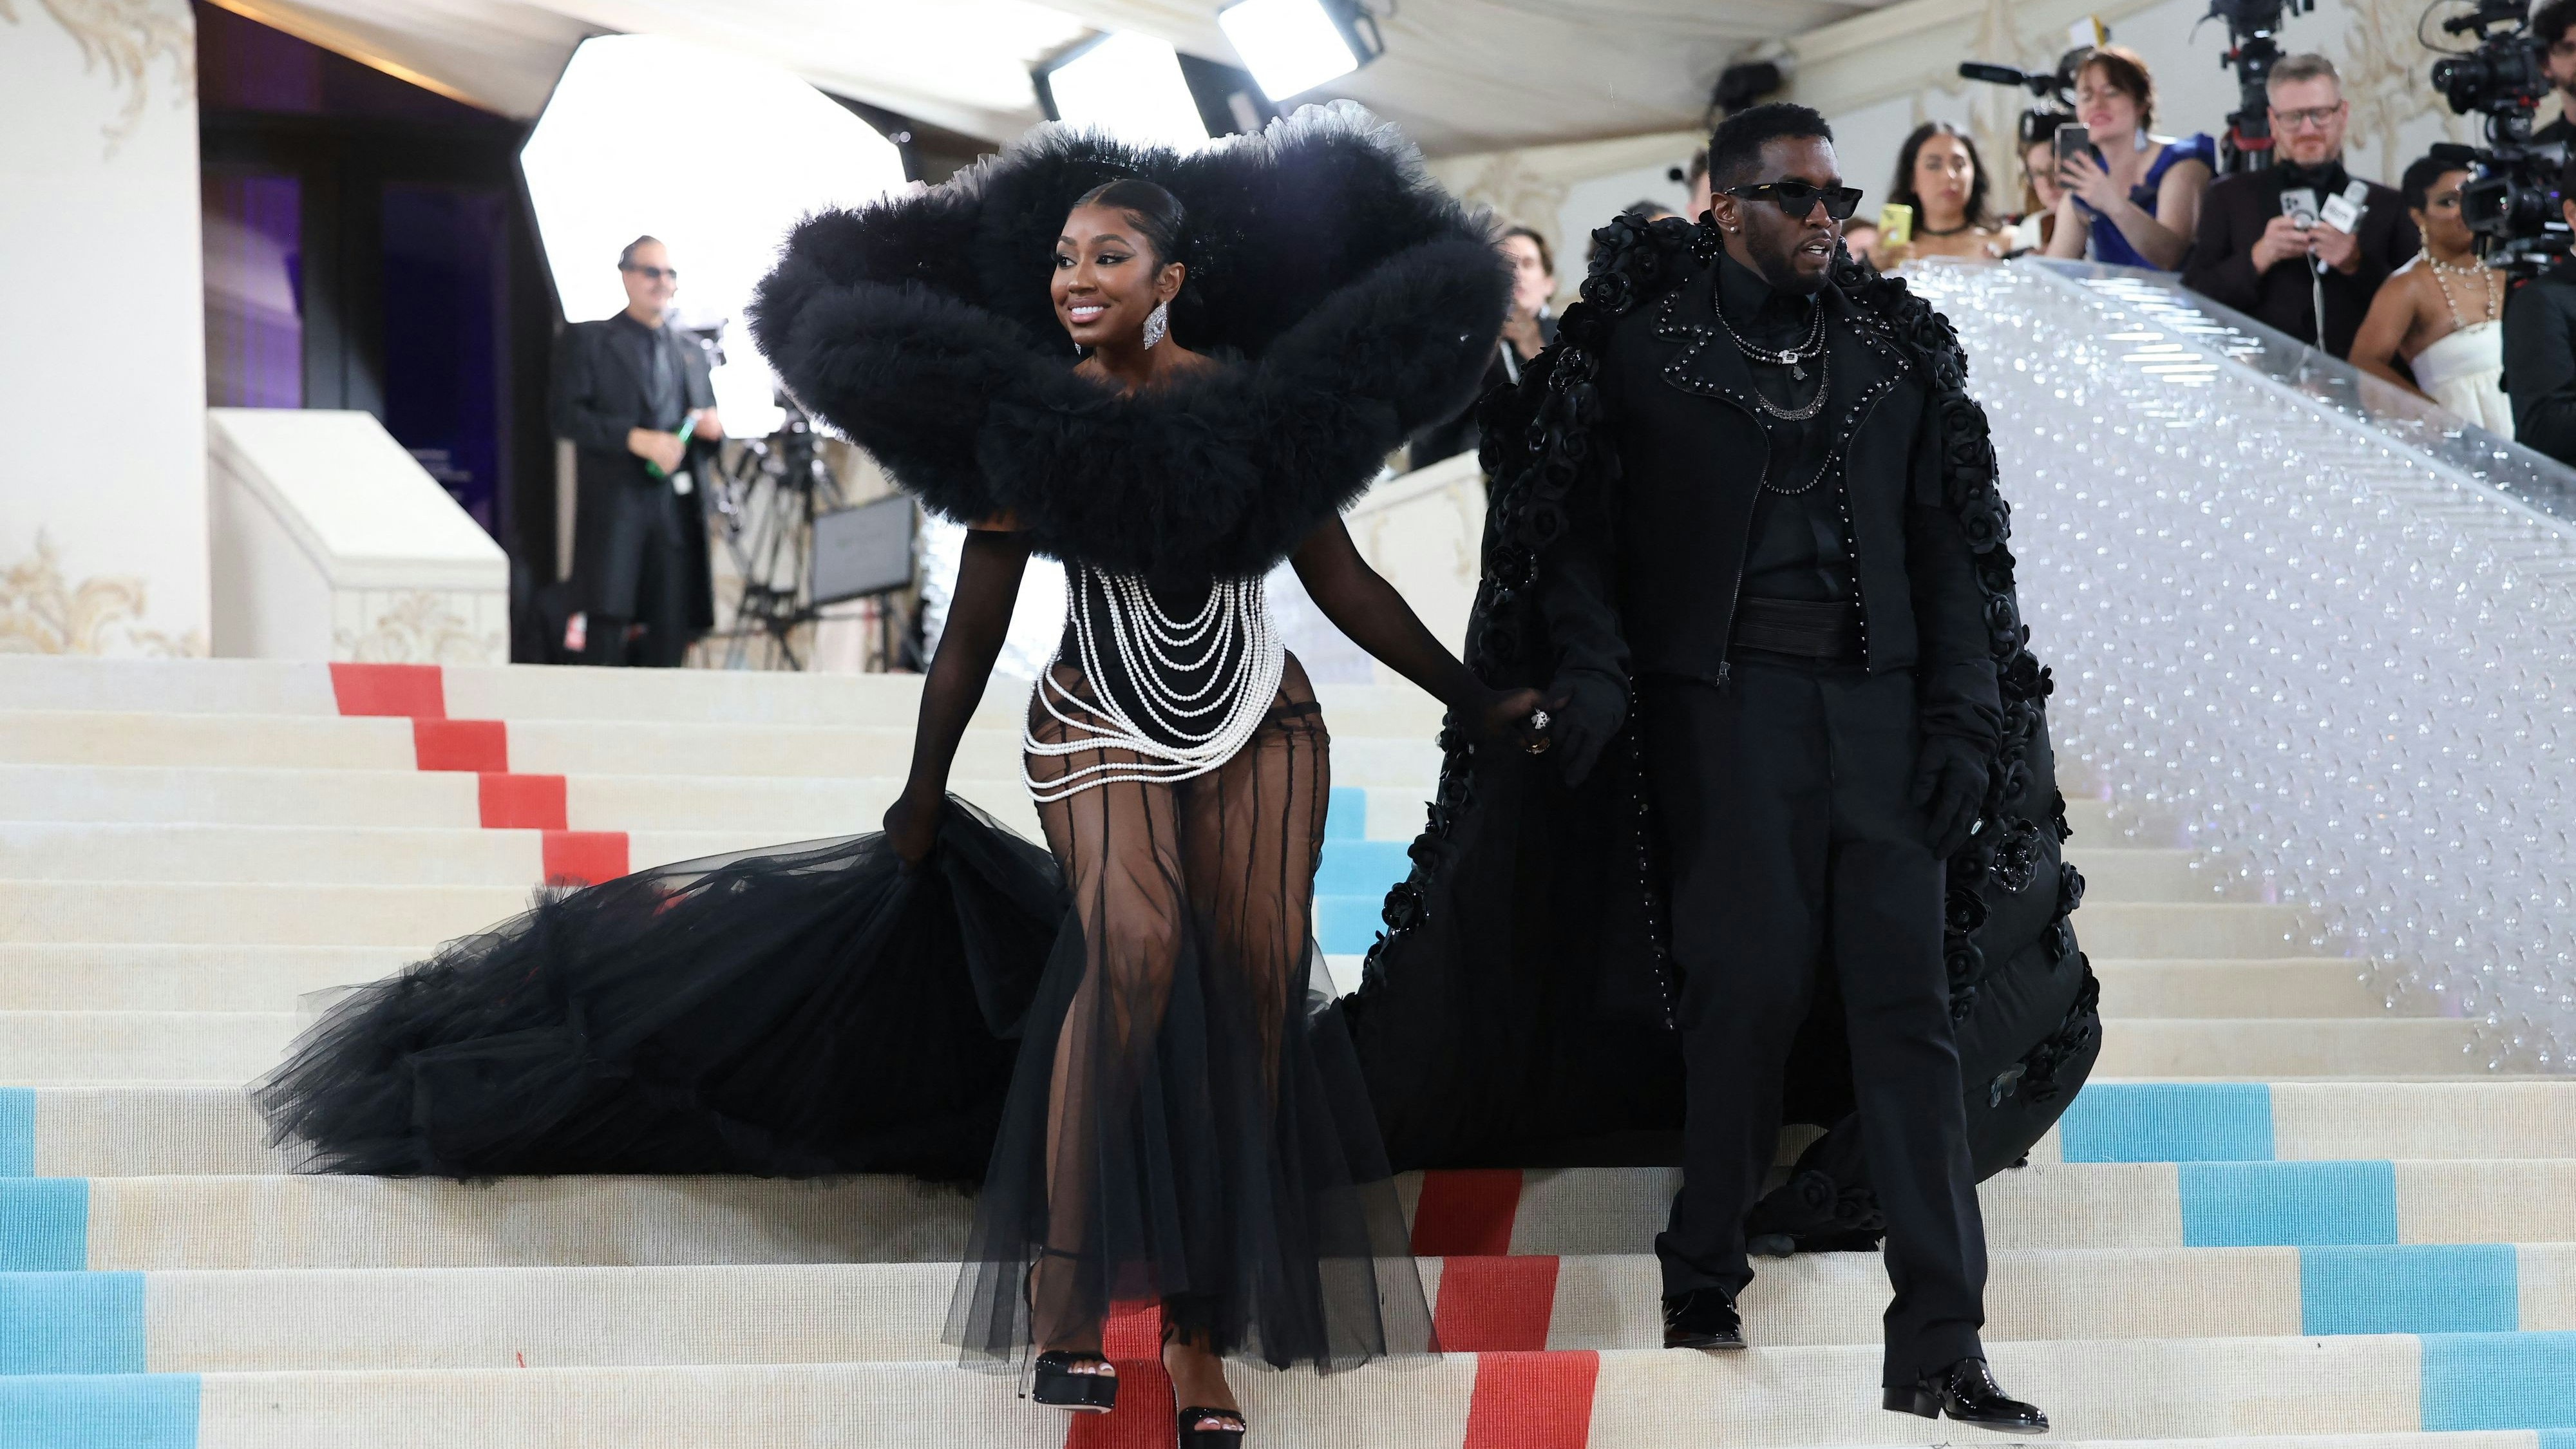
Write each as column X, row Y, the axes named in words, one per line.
column 716, row 154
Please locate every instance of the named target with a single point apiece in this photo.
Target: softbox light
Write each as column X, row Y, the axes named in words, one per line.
column 1128, row 85
column 715, row 154
column 1292, row 46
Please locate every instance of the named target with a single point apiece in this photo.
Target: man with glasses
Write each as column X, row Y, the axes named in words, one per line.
column 1778, row 586
column 2301, row 239
column 631, row 394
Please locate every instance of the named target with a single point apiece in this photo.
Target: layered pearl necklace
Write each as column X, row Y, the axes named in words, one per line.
column 1154, row 649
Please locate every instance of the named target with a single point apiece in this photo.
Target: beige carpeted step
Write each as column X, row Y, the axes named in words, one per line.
column 2269, row 1050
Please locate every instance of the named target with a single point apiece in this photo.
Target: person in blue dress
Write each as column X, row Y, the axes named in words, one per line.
column 2134, row 201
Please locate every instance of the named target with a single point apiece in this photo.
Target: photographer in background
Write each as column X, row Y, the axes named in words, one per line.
column 2301, row 235
column 632, row 395
column 2550, row 25
column 2132, row 199
column 2540, row 351
column 1527, row 330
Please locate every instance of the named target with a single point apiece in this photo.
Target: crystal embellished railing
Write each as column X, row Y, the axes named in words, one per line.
column 2307, row 619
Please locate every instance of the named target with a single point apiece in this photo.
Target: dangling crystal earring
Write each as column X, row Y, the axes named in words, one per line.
column 1157, row 322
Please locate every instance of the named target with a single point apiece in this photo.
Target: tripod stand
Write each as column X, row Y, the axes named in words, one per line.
column 768, row 499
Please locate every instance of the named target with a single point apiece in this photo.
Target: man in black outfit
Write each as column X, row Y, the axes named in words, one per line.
column 2540, row 350
column 2252, row 256
column 624, row 390
column 2550, row 25
column 1803, row 627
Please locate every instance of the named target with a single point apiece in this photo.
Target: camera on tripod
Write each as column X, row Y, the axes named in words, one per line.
column 2055, row 90
column 2511, row 201
column 2251, row 52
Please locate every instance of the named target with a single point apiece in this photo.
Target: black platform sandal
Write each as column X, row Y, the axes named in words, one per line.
column 1194, row 1433
column 1084, row 1383
column 1081, row 1383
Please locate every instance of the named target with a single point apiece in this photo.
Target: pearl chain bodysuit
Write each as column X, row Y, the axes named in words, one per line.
column 1194, row 689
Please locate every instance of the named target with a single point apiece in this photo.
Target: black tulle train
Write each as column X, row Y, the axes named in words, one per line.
column 809, row 1010
column 1117, row 1039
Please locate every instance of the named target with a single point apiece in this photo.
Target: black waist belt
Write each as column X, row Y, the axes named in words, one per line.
column 1805, row 630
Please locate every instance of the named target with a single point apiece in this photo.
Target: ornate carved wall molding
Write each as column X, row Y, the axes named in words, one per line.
column 42, row 611
column 129, row 35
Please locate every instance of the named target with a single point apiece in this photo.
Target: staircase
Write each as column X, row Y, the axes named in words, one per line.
column 2280, row 1210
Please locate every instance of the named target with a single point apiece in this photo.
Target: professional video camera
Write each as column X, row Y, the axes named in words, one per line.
column 2511, row 203
column 2252, row 52
column 2055, row 89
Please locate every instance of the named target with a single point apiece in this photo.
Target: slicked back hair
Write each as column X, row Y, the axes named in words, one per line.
column 1735, row 151
column 1156, row 212
column 626, row 256
column 2416, row 186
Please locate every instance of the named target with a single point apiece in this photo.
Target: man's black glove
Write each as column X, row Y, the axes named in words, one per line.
column 1585, row 711
column 1950, row 787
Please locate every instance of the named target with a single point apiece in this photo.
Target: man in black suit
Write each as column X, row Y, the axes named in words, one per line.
column 2540, row 350
column 2279, row 268
column 1778, row 579
column 632, row 395
column 2551, row 25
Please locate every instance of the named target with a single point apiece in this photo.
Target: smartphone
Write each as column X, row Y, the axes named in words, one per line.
column 2072, row 141
column 1895, row 224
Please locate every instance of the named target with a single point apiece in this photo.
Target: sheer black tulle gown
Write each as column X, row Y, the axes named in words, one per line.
column 819, row 1009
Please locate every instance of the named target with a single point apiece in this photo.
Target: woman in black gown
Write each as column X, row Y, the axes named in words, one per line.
column 1116, row 1035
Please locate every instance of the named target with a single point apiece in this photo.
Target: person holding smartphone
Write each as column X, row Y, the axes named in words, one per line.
column 2132, row 198
column 2302, row 245
column 1941, row 184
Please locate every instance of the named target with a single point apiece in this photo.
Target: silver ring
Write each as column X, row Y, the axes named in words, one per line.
column 1538, row 719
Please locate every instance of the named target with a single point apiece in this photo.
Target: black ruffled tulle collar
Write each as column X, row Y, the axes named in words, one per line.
column 1359, row 301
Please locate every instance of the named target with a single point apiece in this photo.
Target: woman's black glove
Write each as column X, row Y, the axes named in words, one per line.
column 1584, row 715
column 1950, row 778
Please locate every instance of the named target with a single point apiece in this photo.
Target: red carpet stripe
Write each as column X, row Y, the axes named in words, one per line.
column 1494, row 1304
column 481, row 747
column 584, row 857
column 1466, row 1213
column 416, row 690
column 1133, row 1340
column 1532, row 1400
column 478, row 745
column 522, row 802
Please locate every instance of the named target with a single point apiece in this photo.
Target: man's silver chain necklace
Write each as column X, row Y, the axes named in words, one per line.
column 1794, row 359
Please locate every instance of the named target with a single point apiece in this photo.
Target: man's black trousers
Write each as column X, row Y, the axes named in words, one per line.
column 1782, row 797
column 637, row 573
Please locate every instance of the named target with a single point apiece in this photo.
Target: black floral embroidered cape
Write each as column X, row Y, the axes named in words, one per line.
column 1517, row 1009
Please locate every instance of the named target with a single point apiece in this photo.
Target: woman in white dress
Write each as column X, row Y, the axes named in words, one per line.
column 2443, row 311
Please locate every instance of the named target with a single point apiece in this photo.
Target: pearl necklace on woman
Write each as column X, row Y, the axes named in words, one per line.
column 1210, row 722
column 2443, row 271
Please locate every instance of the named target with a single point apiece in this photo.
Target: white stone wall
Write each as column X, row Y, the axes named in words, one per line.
column 102, row 331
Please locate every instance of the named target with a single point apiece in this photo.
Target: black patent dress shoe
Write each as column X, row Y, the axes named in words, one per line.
column 1702, row 1318
column 1967, row 1393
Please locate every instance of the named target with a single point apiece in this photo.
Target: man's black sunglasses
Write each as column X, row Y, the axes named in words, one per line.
column 651, row 274
column 1797, row 198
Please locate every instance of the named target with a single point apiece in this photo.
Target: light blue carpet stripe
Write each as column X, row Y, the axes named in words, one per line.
column 17, row 1132
column 1346, row 813
column 1348, row 925
column 99, row 1411
column 2169, row 1122
column 2499, row 1381
column 1362, row 868
column 2558, row 1439
column 44, row 1225
column 71, row 1323
column 2420, row 1288
column 2288, row 1204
